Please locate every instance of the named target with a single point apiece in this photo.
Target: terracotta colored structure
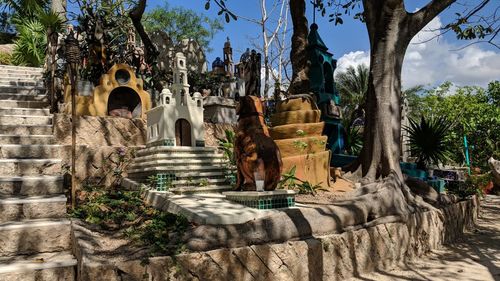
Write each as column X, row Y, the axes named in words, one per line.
column 257, row 155
column 119, row 93
column 297, row 131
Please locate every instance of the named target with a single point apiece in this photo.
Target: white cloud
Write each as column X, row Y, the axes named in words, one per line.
column 431, row 60
column 352, row 59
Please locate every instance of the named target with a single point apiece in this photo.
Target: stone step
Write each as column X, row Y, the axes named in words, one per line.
column 175, row 149
column 21, row 89
column 58, row 266
column 25, row 167
column 142, row 176
column 24, row 111
column 33, row 96
column 201, row 189
column 20, row 72
column 25, row 120
column 21, row 151
column 32, row 207
column 175, row 169
column 24, row 130
column 177, row 163
column 20, row 79
column 21, row 83
column 21, row 75
column 34, row 236
column 8, row 66
column 178, row 156
column 199, row 182
column 23, row 104
column 31, row 186
column 27, row 140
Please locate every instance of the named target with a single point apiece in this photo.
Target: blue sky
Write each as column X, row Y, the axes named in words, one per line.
column 428, row 63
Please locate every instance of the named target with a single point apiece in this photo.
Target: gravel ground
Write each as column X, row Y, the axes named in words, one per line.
column 475, row 258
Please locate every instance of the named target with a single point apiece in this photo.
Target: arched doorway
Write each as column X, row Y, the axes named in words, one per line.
column 124, row 102
column 183, row 133
column 328, row 75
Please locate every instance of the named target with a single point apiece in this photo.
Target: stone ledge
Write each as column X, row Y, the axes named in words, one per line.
column 327, row 257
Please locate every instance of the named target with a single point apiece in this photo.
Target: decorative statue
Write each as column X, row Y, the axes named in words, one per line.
column 257, row 155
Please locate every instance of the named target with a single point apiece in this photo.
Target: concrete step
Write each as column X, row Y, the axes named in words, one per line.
column 21, row 151
column 31, row 186
column 37, row 83
column 34, row 236
column 178, row 163
column 175, row 149
column 30, row 139
column 201, row 189
column 15, row 75
column 199, row 182
column 142, row 176
column 28, row 96
column 24, row 111
column 175, row 169
column 21, row 90
column 178, row 156
column 58, row 266
column 8, row 66
column 32, row 207
column 24, row 130
column 23, row 104
column 30, row 167
column 25, row 120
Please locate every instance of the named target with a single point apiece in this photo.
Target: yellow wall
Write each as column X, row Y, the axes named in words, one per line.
column 97, row 104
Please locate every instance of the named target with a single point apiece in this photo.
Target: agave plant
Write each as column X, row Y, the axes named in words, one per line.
column 427, row 140
column 227, row 146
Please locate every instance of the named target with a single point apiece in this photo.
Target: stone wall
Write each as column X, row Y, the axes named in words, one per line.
column 328, row 257
column 100, row 131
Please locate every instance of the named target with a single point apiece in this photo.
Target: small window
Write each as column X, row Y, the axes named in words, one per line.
column 198, row 103
column 181, row 63
column 167, row 100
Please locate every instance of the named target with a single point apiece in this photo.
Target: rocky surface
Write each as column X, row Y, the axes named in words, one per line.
column 319, row 257
column 216, row 131
column 100, row 131
column 495, row 170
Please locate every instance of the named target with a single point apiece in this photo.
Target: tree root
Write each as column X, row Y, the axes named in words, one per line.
column 383, row 201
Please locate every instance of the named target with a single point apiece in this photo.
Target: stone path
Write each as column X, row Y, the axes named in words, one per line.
column 476, row 258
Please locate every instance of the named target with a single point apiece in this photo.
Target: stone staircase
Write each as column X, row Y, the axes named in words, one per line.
column 182, row 170
column 35, row 239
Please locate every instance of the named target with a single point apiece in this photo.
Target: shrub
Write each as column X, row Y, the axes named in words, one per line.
column 5, row 58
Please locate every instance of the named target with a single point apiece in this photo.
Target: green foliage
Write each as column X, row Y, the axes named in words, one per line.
column 227, row 146
column 125, row 211
column 181, row 23
column 290, row 181
column 352, row 86
column 427, row 140
column 30, row 45
column 5, row 58
column 353, row 138
column 104, row 28
column 475, row 112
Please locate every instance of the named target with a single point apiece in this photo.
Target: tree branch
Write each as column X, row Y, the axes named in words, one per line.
column 423, row 16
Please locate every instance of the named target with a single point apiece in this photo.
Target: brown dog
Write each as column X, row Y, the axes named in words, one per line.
column 255, row 151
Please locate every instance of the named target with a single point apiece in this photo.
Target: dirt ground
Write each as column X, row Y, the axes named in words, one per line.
column 476, row 258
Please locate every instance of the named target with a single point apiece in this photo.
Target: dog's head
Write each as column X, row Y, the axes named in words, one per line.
column 249, row 106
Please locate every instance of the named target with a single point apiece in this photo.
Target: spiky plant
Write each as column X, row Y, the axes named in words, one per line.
column 30, row 45
column 427, row 140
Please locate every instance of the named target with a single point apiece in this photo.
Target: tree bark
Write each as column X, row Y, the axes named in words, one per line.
column 390, row 29
column 298, row 54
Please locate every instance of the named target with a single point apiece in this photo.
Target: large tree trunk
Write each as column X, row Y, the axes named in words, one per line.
column 390, row 29
column 298, row 54
column 388, row 42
